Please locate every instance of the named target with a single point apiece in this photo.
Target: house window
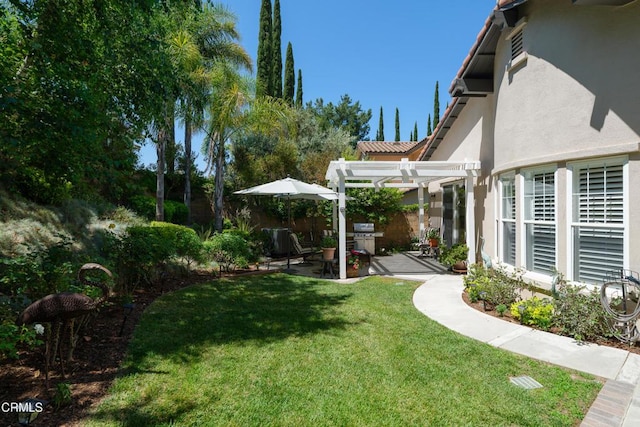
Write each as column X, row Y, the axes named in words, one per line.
column 508, row 219
column 598, row 225
column 540, row 221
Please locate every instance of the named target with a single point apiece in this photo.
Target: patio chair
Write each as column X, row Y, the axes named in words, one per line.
column 297, row 250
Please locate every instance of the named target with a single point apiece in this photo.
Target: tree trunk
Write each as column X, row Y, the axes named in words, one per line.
column 219, row 185
column 160, row 149
column 187, row 167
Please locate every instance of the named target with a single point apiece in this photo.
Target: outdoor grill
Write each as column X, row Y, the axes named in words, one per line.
column 364, row 236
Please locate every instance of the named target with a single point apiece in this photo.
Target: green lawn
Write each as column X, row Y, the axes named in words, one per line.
column 285, row 350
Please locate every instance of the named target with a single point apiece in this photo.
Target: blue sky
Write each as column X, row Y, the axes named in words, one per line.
column 381, row 53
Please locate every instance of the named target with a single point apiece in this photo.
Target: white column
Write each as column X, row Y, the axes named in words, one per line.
column 470, row 219
column 421, row 211
column 342, row 229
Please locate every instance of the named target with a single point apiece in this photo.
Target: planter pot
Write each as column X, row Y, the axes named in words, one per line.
column 328, row 253
column 433, row 243
column 460, row 267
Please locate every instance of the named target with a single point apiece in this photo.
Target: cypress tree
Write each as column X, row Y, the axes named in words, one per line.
column 415, row 131
column 397, row 125
column 380, row 133
column 429, row 132
column 289, row 75
column 299, row 91
column 265, row 67
column 436, row 108
column 276, row 76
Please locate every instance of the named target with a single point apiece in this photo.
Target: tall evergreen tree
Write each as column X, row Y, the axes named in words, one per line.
column 415, row 131
column 299, row 91
column 380, row 133
column 397, row 124
column 276, row 76
column 289, row 76
column 436, row 108
column 429, row 131
column 264, row 60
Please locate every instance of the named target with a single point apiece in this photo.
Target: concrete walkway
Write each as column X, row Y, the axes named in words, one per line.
column 617, row 404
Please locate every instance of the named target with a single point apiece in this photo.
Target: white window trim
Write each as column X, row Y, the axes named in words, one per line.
column 571, row 166
column 523, row 223
column 501, row 221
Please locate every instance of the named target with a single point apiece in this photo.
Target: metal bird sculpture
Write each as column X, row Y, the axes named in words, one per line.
column 64, row 308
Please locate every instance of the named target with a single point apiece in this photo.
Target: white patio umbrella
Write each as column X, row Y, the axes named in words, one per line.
column 291, row 189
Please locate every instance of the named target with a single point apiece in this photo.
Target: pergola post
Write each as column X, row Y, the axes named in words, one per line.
column 421, row 212
column 470, row 219
column 342, row 228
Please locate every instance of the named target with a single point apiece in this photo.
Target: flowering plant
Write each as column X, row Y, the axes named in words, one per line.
column 354, row 262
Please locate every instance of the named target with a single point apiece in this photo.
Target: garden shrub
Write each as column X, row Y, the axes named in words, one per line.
column 144, row 206
column 495, row 285
column 457, row 252
column 137, row 256
column 175, row 212
column 535, row 312
column 187, row 244
column 40, row 272
column 579, row 314
column 230, row 250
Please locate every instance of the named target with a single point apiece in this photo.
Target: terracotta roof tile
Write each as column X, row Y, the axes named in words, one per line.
column 386, row 146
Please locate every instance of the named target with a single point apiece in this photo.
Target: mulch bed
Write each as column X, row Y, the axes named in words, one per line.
column 95, row 364
column 507, row 317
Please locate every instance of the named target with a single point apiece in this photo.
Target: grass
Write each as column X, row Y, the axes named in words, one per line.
column 279, row 350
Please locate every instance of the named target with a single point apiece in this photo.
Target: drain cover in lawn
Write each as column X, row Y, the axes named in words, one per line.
column 525, row 382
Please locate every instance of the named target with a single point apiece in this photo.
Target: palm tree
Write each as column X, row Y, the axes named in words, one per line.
column 206, row 37
column 234, row 109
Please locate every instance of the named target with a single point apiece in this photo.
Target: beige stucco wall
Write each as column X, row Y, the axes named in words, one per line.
column 470, row 138
column 576, row 92
column 576, row 96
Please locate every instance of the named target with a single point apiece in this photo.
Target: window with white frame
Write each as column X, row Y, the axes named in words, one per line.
column 540, row 220
column 598, row 225
column 508, row 219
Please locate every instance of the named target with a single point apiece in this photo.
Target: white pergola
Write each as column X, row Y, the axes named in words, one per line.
column 342, row 174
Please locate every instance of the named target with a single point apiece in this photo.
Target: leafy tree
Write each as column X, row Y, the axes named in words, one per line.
column 106, row 77
column 276, row 76
column 233, row 110
column 299, row 90
column 265, row 54
column 429, row 131
column 289, row 75
column 374, row 205
column 436, row 108
column 397, row 125
column 415, row 131
column 345, row 115
column 380, row 133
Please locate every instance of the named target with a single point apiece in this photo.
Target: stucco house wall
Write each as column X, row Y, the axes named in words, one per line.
column 572, row 96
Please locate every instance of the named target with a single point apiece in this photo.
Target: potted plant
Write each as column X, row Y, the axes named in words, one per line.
column 353, row 265
column 456, row 257
column 433, row 236
column 328, row 245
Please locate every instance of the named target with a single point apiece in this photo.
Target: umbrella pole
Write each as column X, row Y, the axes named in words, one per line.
column 289, row 236
column 289, row 270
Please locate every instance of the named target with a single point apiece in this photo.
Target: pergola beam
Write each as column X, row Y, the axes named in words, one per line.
column 400, row 174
